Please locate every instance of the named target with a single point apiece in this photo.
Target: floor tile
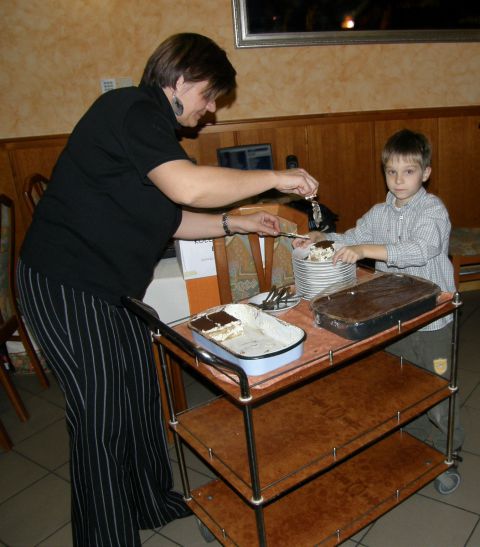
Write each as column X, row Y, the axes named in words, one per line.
column 470, row 421
column 468, row 381
column 186, row 532
column 35, row 513
column 157, row 540
column 192, row 461
column 422, row 522
column 145, row 535
column 29, row 383
column 195, row 479
column 473, row 399
column 42, row 414
column 199, row 393
column 61, row 538
column 474, row 540
column 53, row 394
column 64, row 471
column 17, row 473
column 49, row 447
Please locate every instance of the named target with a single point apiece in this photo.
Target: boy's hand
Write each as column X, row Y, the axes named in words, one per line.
column 349, row 255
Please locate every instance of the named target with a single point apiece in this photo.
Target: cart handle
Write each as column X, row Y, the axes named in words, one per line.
column 149, row 316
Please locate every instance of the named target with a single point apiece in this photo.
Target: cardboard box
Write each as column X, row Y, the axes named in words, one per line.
column 196, row 258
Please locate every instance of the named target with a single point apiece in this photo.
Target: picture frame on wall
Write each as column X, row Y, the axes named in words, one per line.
column 277, row 23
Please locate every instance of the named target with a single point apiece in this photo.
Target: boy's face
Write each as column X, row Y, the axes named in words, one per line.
column 404, row 177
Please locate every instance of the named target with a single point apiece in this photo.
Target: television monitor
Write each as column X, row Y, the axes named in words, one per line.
column 250, row 156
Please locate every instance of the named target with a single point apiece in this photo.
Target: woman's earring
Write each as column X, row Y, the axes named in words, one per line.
column 177, row 105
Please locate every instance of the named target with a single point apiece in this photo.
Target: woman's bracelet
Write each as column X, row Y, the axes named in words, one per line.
column 226, row 229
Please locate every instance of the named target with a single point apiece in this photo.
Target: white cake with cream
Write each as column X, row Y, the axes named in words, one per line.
column 218, row 326
column 322, row 251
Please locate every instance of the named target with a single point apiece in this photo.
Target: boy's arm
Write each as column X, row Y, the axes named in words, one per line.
column 353, row 253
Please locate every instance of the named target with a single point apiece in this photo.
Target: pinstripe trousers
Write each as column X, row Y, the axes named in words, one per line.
column 102, row 357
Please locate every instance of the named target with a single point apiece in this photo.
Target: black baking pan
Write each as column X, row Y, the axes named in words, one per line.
column 368, row 308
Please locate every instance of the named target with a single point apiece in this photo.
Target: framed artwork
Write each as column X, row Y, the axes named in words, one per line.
column 274, row 23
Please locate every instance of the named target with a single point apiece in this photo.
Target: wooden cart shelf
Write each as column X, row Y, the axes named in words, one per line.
column 313, row 427
column 332, row 507
column 324, row 352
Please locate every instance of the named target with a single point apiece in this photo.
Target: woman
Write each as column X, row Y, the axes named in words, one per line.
column 114, row 201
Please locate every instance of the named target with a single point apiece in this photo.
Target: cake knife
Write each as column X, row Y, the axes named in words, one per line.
column 317, row 212
column 291, row 234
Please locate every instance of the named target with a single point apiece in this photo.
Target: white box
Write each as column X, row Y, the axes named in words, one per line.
column 196, row 258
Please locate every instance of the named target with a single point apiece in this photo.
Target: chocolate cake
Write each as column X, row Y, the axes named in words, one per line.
column 218, row 325
column 375, row 305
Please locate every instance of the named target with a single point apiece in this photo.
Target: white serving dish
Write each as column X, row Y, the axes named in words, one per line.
column 266, row 344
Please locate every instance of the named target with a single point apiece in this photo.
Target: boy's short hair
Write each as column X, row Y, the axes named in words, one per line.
column 408, row 144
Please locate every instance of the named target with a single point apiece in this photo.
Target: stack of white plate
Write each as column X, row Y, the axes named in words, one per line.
column 314, row 277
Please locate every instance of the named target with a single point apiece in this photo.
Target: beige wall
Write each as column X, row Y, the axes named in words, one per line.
column 54, row 53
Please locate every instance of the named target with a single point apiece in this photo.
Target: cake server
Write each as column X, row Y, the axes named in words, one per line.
column 291, row 234
column 317, row 212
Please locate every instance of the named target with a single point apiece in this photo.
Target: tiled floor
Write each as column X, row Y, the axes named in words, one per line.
column 34, row 476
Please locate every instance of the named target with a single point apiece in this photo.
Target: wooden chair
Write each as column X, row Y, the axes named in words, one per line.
column 235, row 285
column 465, row 254
column 5, row 441
column 33, row 189
column 12, row 325
column 17, row 404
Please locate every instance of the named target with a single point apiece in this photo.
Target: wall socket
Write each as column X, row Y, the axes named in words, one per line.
column 107, row 84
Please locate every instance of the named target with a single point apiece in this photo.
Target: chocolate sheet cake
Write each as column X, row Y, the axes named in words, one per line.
column 376, row 305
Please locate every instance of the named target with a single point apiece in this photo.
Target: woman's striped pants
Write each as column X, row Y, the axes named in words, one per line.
column 102, row 357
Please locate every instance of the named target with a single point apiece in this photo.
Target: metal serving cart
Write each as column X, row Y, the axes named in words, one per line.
column 311, row 453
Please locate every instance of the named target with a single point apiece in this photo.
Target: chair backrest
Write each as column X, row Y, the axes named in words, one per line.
column 241, row 272
column 33, row 189
column 7, row 256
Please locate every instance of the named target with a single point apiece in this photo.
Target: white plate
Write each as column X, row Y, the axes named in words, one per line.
column 259, row 298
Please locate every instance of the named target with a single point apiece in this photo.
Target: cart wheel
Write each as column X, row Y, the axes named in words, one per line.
column 448, row 482
column 206, row 534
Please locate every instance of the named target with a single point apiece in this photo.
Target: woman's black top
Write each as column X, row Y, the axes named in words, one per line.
column 102, row 225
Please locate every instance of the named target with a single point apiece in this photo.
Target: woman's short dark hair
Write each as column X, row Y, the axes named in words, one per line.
column 193, row 56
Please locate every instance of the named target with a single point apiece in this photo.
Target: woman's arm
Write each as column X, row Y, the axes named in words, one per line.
column 206, row 186
column 206, row 226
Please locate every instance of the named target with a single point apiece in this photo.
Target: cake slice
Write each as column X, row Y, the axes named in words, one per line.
column 218, row 325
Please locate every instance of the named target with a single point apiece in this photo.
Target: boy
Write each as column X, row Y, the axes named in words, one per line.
column 409, row 233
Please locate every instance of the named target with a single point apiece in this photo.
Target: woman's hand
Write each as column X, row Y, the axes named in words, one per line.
column 296, row 181
column 262, row 223
column 315, row 237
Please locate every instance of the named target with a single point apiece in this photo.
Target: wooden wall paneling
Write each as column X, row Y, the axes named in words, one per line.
column 386, row 128
column 459, row 168
column 340, row 156
column 203, row 146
